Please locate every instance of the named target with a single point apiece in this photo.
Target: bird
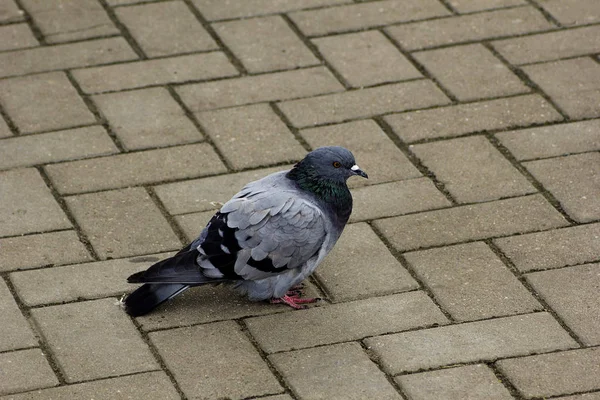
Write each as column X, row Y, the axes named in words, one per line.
column 265, row 240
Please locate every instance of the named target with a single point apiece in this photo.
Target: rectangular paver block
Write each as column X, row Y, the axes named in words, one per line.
column 584, row 12
column 15, row 332
column 217, row 9
column 17, row 36
column 468, row 342
column 11, row 12
column 215, row 361
column 25, row 370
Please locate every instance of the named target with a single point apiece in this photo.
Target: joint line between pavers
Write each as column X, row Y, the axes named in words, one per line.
column 530, row 271
column 295, row 131
column 504, row 380
column 375, row 360
column 11, row 125
column 124, row 30
column 37, row 32
column 170, row 219
column 549, row 17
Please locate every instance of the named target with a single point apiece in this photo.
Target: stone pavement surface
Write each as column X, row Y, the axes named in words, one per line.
column 470, row 269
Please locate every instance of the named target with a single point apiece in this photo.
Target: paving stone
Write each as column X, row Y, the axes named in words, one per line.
column 66, row 20
column 465, row 6
column 50, row 147
column 10, row 11
column 207, row 193
column 553, row 249
column 43, row 102
column 465, row 28
column 217, row 9
column 154, row 72
column 553, row 374
column 362, row 16
column 363, row 103
column 471, row 382
column 473, row 341
column 80, row 281
column 192, row 224
column 481, row 172
column 25, row 370
column 573, row 294
column 260, row 88
column 71, row 55
column 372, row 149
column 15, row 332
column 472, row 222
column 396, row 198
column 135, row 168
column 28, row 205
column 573, row 84
column 93, row 339
column 578, row 12
column 344, row 321
column 265, row 44
column 251, row 136
column 341, row 371
column 574, row 181
column 550, row 46
column 470, row 282
column 150, row 385
column 122, row 223
column 471, row 72
column 31, row 251
column 366, row 58
column 203, row 360
column 16, row 36
column 359, row 250
column 147, row 118
column 473, row 117
column 186, row 35
column 552, row 140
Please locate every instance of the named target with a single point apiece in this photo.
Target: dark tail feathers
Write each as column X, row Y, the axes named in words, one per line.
column 149, row 296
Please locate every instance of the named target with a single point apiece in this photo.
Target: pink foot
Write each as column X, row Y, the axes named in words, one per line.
column 294, row 301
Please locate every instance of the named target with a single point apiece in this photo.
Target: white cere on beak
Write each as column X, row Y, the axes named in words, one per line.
column 355, row 167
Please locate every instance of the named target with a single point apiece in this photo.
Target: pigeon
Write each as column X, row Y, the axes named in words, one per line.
column 264, row 241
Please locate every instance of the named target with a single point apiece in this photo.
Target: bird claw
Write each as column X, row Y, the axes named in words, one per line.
column 295, row 301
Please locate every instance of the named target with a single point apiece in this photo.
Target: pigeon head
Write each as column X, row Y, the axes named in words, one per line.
column 332, row 163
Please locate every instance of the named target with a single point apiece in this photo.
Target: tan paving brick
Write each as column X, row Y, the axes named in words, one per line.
column 25, row 370
column 480, row 26
column 93, row 339
column 154, row 72
column 192, row 224
column 62, row 21
column 363, row 103
column 50, row 147
column 147, row 118
column 472, row 222
column 577, row 12
column 259, row 88
column 216, row 353
column 360, row 253
column 251, row 136
column 361, row 16
column 553, row 249
column 471, row 382
column 186, row 35
column 71, row 55
column 341, row 371
column 471, row 72
column 135, row 168
column 217, row 9
column 573, row 293
column 468, row 342
column 553, row 374
column 480, row 173
column 470, row 282
column 574, row 181
column 372, row 149
column 468, row 118
column 10, row 11
column 17, row 36
column 122, row 223
column 79, row 281
column 150, row 386
column 344, row 321
column 28, row 205
column 465, row 6
column 31, row 251
column 207, row 193
column 550, row 46
column 265, row 44
column 15, row 332
column 573, row 84
column 43, row 102
column 366, row 58
column 396, row 198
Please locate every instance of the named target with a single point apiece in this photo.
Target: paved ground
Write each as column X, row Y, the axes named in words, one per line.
column 470, row 271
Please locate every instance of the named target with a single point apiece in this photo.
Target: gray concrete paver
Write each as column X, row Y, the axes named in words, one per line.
column 25, row 370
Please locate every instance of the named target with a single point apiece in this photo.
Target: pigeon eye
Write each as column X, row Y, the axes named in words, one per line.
column 337, row 164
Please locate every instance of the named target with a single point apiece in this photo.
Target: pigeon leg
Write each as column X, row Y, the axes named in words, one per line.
column 294, row 301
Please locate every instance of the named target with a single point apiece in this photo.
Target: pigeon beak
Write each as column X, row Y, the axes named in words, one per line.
column 357, row 171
